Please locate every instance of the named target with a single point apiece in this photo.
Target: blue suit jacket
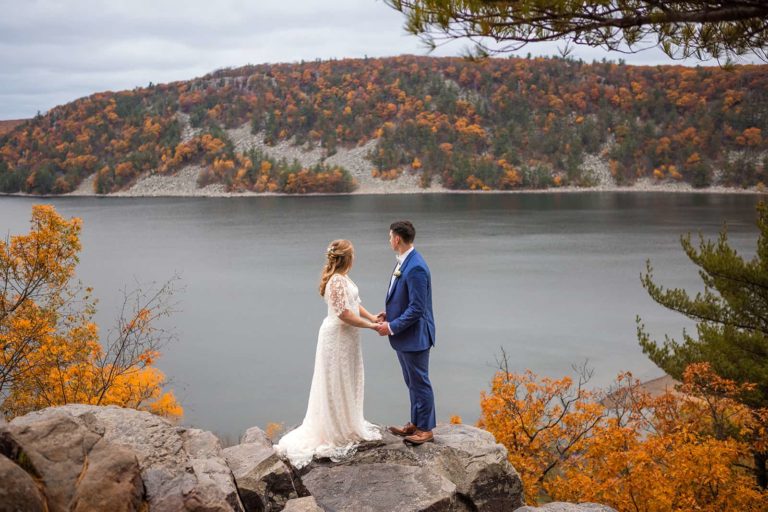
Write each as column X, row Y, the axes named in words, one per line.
column 409, row 307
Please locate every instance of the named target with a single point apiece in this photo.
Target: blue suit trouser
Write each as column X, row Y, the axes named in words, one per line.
column 415, row 367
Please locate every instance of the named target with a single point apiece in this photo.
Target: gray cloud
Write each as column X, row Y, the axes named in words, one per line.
column 52, row 52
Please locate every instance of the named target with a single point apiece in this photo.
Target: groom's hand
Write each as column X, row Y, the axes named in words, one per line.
column 383, row 329
column 381, row 316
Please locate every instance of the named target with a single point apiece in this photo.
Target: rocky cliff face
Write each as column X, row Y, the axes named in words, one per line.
column 89, row 458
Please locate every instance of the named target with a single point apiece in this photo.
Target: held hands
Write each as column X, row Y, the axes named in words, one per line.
column 380, row 325
column 382, row 328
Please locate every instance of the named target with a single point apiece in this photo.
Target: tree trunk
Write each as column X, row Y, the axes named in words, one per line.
column 761, row 473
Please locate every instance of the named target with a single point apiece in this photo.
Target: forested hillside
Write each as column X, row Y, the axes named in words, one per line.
column 8, row 125
column 490, row 124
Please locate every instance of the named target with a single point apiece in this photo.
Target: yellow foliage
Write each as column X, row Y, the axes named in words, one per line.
column 51, row 354
column 629, row 451
column 475, row 183
column 223, row 165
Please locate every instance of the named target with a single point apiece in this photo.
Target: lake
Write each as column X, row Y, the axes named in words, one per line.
column 552, row 278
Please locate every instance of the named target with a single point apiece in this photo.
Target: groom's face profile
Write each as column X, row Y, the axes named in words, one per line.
column 394, row 240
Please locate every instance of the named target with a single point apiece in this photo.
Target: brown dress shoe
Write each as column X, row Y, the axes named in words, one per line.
column 407, row 430
column 420, row 437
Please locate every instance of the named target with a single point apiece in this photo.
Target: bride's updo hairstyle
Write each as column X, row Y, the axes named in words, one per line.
column 338, row 260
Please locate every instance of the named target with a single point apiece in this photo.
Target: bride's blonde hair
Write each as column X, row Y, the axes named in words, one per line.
column 338, row 261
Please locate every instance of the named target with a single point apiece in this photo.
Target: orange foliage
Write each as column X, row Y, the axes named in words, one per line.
column 273, row 429
column 258, row 172
column 51, row 354
column 732, row 99
column 511, row 177
column 8, row 125
column 667, row 171
column 560, row 115
column 629, row 450
column 475, row 183
column 751, row 137
column 693, row 159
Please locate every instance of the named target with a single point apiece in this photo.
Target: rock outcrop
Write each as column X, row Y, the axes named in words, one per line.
column 464, row 469
column 89, row 458
column 110, row 458
column 265, row 482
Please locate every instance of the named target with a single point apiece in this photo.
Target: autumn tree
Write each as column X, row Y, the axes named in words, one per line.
column 543, row 422
column 682, row 28
column 625, row 448
column 664, row 453
column 50, row 349
column 731, row 316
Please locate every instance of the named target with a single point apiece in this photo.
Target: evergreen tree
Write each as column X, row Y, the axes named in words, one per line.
column 731, row 316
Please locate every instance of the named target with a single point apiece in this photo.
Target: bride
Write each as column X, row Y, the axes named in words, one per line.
column 334, row 422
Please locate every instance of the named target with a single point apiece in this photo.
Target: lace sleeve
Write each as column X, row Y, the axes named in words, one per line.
column 338, row 295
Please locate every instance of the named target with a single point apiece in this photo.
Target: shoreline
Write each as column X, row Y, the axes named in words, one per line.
column 184, row 182
column 435, row 191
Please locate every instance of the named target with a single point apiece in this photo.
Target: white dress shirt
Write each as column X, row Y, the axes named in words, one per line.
column 400, row 260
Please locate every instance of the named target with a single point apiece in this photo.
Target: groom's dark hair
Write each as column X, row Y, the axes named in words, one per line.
column 404, row 229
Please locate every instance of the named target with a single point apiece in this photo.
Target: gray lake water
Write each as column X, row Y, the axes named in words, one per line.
column 552, row 278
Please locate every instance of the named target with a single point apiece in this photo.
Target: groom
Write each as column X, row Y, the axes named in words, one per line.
column 409, row 323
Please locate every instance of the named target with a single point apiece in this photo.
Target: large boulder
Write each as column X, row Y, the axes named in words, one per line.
column 78, row 468
column 17, row 489
column 464, row 469
column 265, row 482
column 98, row 458
column 382, row 486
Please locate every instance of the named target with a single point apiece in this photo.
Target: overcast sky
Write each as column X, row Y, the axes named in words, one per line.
column 52, row 52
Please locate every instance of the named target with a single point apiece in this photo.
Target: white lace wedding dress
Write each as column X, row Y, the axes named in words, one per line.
column 334, row 422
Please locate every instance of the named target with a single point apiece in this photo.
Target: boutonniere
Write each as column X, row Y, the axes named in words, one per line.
column 398, row 273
